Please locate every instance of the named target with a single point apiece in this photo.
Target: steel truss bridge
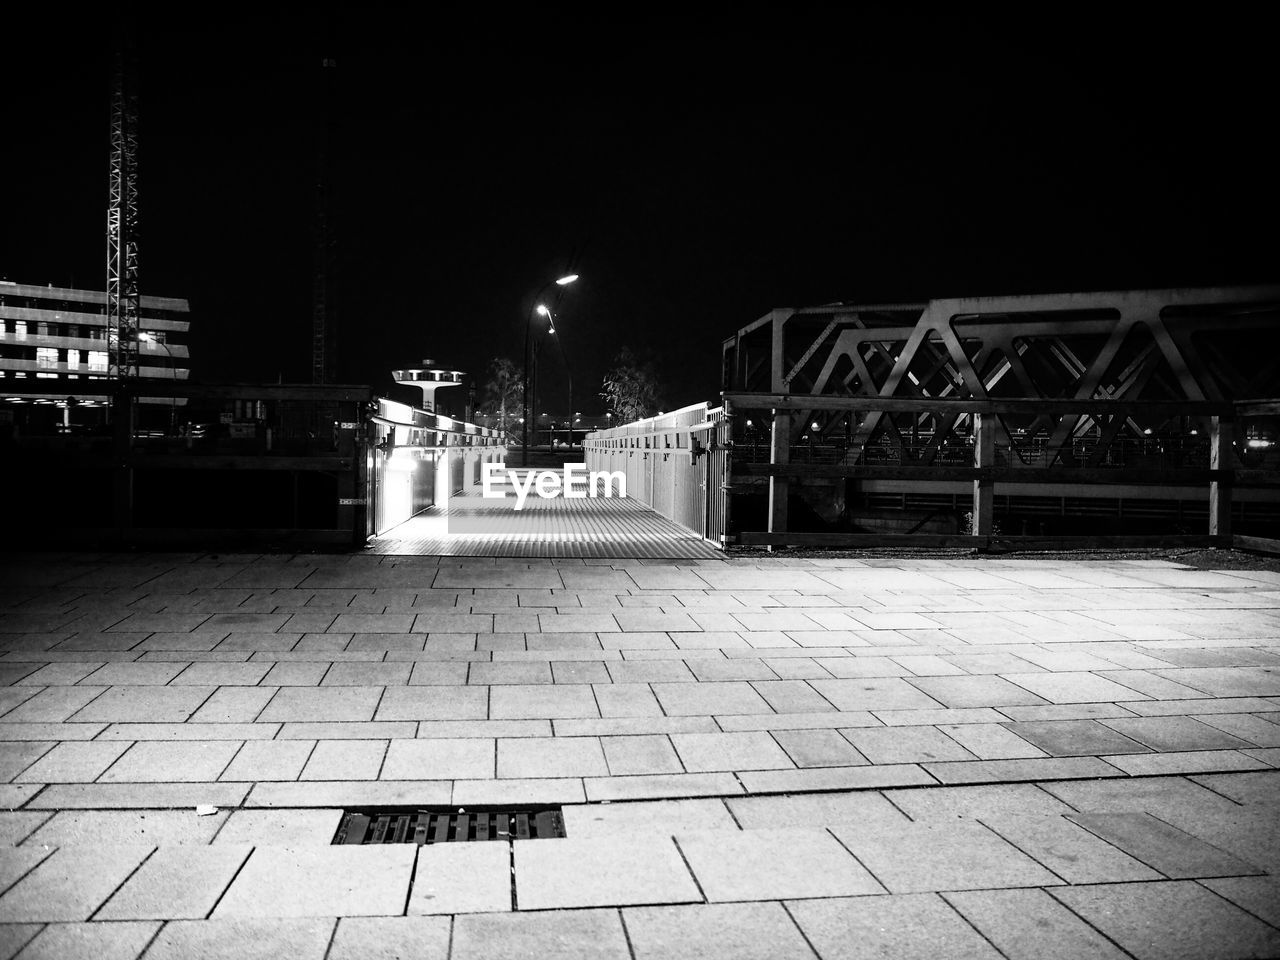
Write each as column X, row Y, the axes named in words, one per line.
column 1138, row 394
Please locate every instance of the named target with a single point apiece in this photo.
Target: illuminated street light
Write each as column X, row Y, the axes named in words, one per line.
column 529, row 411
column 551, row 321
column 542, row 309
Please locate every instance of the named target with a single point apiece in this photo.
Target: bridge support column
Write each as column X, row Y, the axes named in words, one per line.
column 779, row 455
column 1221, row 439
column 984, row 489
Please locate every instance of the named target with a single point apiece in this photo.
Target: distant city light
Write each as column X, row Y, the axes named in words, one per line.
column 565, row 281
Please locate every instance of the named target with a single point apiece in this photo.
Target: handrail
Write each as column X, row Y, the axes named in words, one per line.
column 802, row 401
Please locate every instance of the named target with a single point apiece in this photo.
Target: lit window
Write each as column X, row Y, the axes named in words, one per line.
column 97, row 359
column 46, row 357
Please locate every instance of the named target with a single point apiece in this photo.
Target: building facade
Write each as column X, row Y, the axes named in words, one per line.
column 58, row 332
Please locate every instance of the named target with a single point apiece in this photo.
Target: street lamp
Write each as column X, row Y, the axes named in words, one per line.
column 568, row 374
column 528, row 404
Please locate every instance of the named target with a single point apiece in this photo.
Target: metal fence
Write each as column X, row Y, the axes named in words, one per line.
column 778, row 442
column 676, row 462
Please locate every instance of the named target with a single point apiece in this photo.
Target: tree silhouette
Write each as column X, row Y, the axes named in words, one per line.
column 503, row 392
column 631, row 387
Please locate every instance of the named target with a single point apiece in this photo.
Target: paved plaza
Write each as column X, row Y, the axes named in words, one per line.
column 756, row 758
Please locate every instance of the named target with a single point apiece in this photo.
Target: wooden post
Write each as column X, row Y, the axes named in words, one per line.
column 984, row 449
column 1221, row 437
column 779, row 455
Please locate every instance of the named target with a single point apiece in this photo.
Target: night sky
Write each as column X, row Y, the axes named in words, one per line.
column 696, row 173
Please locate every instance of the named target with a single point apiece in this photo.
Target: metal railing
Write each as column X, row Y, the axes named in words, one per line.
column 420, row 459
column 676, row 462
column 774, row 444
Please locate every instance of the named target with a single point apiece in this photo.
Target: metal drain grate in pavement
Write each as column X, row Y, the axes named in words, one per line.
column 423, row 826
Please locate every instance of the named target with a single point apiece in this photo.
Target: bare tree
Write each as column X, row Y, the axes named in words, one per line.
column 631, row 387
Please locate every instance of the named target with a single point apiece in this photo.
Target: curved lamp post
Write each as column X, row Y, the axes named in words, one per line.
column 527, row 401
column 565, row 358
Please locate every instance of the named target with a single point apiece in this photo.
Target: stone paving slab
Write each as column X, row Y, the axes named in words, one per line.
column 556, row 935
column 756, row 931
column 71, row 884
column 461, row 878
column 916, row 927
column 1171, row 919
column 919, row 857
column 127, row 827
column 773, row 864
column 1176, row 854
column 1031, row 925
column 622, row 870
column 90, row 941
column 176, row 883
column 244, row 939
column 320, row 882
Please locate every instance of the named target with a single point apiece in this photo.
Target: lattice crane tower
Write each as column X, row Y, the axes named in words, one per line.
column 123, row 309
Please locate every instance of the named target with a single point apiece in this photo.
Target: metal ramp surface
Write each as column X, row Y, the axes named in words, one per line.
column 606, row 528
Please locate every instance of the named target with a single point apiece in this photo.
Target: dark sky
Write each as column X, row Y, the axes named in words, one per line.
column 697, row 172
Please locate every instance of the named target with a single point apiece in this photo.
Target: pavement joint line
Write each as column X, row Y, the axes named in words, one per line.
column 333, row 935
column 858, row 860
column 150, row 940
column 1031, row 856
column 786, row 908
column 413, row 874
column 49, row 852
column 626, row 933
column 1200, row 882
column 511, row 866
column 941, row 895
column 119, row 886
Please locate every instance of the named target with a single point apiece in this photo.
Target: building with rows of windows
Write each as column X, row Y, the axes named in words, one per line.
column 56, row 332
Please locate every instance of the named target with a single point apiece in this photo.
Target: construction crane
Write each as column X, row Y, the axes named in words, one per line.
column 123, row 302
column 324, row 301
